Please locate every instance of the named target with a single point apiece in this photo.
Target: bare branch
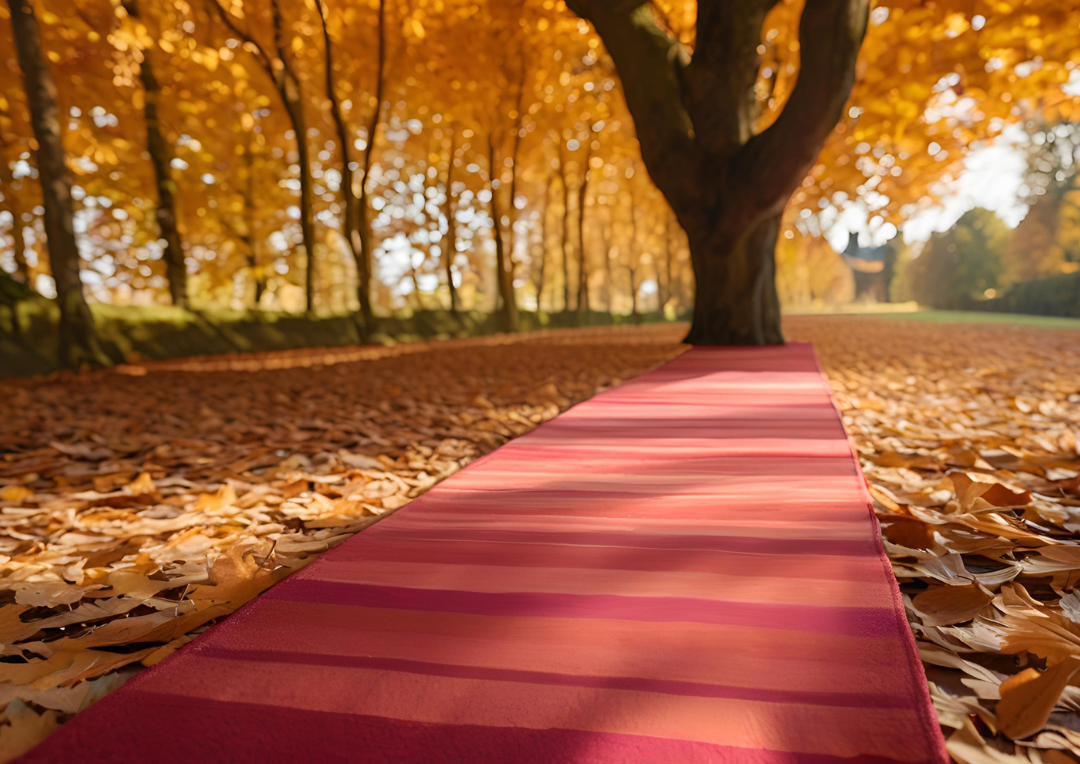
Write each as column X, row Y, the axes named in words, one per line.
column 776, row 161
column 649, row 65
column 249, row 42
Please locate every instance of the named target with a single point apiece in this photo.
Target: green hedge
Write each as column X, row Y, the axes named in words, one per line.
column 28, row 345
column 1056, row 296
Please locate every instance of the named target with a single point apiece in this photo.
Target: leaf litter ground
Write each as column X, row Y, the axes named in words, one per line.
column 139, row 505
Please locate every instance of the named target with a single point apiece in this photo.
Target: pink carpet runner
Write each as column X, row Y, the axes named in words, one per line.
column 684, row 569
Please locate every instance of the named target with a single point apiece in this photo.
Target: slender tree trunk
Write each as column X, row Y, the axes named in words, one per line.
column 516, row 147
column 18, row 247
column 362, row 236
column 77, row 341
column 543, row 245
column 634, row 295
column 583, row 269
column 289, row 86
column 350, row 200
column 564, row 232
column 507, row 307
column 668, row 290
column 161, row 156
column 248, row 237
column 18, row 236
column 449, row 248
column 608, row 285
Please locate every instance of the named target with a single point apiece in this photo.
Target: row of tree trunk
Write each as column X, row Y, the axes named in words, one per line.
column 695, row 117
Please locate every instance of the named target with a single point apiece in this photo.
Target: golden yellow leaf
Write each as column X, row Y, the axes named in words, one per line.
column 1028, row 698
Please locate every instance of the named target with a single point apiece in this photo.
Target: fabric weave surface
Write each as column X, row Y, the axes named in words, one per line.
column 683, row 569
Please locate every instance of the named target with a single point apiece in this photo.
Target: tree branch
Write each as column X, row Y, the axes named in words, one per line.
column 649, row 65
column 774, row 162
column 255, row 48
column 720, row 78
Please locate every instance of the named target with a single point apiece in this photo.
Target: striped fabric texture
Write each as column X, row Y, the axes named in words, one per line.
column 683, row 569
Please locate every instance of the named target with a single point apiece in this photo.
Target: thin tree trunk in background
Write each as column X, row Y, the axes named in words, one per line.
column 608, row 291
column 349, row 198
column 450, row 245
column 288, row 86
column 18, row 236
column 513, row 216
column 161, row 157
column 18, row 247
column 543, row 244
column 565, row 230
column 635, row 257
column 248, row 236
column 668, row 290
column 294, row 105
column 583, row 271
column 507, row 308
column 364, row 238
column 77, row 338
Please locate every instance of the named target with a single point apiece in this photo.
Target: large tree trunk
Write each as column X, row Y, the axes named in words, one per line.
column 161, row 157
column 77, row 341
column 735, row 299
column 696, row 122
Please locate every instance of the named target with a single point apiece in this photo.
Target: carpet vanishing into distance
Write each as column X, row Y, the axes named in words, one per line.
column 686, row 568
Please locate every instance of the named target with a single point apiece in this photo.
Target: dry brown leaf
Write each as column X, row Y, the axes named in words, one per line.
column 976, row 491
column 15, row 493
column 142, row 485
column 1028, row 698
column 946, row 605
column 24, row 729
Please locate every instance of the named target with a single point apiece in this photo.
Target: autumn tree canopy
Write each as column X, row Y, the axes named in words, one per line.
column 363, row 156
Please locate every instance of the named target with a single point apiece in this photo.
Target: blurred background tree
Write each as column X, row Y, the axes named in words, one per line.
column 962, row 264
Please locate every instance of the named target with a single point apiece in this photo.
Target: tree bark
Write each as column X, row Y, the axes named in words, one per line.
column 247, row 236
column 350, row 200
column 695, row 121
column 363, row 236
column 161, row 157
column 565, row 230
column 507, row 307
column 77, row 337
column 18, row 237
column 609, row 285
column 583, row 269
column 18, row 247
column 543, row 244
column 735, row 298
column 289, row 85
column 449, row 248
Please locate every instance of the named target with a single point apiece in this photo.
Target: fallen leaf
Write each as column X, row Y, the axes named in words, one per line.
column 1028, row 698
